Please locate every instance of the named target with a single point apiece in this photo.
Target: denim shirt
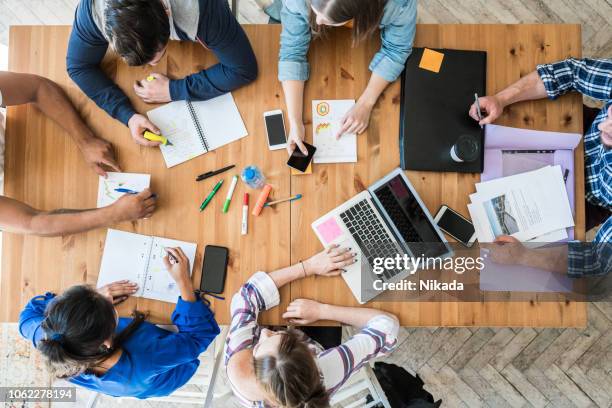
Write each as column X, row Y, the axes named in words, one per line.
column 397, row 29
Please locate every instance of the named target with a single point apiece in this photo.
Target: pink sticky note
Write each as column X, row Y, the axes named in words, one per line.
column 329, row 230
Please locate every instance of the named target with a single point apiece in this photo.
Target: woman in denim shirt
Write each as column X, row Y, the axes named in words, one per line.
column 301, row 19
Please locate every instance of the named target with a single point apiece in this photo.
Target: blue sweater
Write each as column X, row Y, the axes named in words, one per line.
column 217, row 29
column 154, row 362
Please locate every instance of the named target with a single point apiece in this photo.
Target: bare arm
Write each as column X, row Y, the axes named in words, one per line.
column 294, row 98
column 52, row 101
column 530, row 87
column 19, row 217
column 354, row 316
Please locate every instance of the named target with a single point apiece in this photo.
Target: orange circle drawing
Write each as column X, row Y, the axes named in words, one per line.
column 323, row 108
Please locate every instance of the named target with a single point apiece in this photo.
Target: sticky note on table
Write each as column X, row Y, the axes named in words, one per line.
column 431, row 60
column 295, row 172
column 329, row 230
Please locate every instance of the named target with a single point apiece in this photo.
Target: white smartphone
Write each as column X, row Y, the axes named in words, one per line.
column 275, row 129
column 456, row 225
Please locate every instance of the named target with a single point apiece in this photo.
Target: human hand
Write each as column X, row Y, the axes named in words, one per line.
column 330, row 261
column 507, row 250
column 491, row 108
column 356, row 120
column 606, row 129
column 177, row 265
column 296, row 138
column 99, row 155
column 138, row 124
column 119, row 291
column 132, row 207
column 155, row 91
column 303, row 312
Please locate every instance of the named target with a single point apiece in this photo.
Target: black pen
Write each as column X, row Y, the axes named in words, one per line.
column 208, row 174
column 565, row 175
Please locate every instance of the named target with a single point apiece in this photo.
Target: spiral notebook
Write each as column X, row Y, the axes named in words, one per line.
column 139, row 258
column 195, row 128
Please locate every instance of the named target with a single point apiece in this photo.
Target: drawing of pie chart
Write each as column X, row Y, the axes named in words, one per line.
column 323, row 108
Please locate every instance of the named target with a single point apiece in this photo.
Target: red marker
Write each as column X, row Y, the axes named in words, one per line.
column 245, row 213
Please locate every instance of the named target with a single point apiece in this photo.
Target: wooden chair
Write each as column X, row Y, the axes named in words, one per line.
column 355, row 392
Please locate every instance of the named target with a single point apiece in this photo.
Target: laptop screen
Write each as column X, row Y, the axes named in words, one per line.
column 409, row 218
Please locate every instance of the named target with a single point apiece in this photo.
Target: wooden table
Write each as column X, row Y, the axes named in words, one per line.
column 44, row 169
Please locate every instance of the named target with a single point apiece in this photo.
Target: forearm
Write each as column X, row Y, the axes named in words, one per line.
column 354, row 316
column 529, row 87
column 552, row 259
column 52, row 101
column 294, row 98
column 286, row 275
column 186, row 289
column 376, row 86
column 67, row 221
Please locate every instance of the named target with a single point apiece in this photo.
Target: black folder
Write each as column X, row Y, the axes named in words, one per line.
column 434, row 110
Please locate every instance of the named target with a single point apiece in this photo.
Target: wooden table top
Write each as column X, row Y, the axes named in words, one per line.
column 44, row 169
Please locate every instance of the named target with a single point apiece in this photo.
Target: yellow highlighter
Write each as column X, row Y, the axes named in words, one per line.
column 156, row 138
column 150, row 78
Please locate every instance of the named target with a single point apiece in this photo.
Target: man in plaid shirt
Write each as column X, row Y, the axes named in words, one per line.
column 591, row 77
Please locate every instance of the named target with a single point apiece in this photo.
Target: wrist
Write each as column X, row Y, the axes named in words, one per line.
column 112, row 213
column 367, row 100
column 505, row 97
column 307, row 268
column 325, row 311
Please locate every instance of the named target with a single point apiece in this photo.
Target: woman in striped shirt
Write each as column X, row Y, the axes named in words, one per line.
column 286, row 368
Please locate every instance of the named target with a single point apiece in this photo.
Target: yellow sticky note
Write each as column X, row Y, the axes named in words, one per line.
column 431, row 60
column 295, row 172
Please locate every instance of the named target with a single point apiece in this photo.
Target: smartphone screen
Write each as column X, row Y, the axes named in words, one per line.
column 276, row 130
column 300, row 162
column 214, row 269
column 456, row 226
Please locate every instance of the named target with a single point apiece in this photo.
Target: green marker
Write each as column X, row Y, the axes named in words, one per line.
column 211, row 195
column 228, row 199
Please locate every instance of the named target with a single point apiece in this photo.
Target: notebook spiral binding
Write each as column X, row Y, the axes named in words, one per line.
column 196, row 124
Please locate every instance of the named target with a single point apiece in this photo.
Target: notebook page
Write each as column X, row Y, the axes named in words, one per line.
column 175, row 123
column 220, row 120
column 125, row 257
column 326, row 118
column 159, row 284
column 130, row 181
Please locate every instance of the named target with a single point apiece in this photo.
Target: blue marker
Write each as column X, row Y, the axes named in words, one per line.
column 128, row 191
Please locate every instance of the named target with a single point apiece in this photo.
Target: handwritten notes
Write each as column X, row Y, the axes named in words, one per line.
column 326, row 123
column 129, row 181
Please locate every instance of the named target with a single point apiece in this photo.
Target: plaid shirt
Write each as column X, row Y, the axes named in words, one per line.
column 377, row 338
column 593, row 78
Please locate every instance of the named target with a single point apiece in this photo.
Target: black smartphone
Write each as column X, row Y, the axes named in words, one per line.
column 456, row 225
column 300, row 162
column 214, row 269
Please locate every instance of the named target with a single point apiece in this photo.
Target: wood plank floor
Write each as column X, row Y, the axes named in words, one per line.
column 485, row 367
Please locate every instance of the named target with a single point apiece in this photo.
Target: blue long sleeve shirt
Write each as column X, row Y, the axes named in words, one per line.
column 217, row 30
column 154, row 362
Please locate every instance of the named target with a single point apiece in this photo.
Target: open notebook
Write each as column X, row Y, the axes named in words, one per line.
column 195, row 128
column 139, row 258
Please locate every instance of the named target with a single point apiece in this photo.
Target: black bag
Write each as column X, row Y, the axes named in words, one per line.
column 402, row 389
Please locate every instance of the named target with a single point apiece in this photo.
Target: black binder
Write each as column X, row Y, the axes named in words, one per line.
column 434, row 110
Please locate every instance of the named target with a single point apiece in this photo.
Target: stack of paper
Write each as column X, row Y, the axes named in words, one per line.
column 326, row 123
column 531, row 206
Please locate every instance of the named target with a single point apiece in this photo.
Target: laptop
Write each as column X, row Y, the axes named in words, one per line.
column 387, row 219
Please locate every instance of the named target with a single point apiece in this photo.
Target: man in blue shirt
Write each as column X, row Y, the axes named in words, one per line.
column 593, row 78
column 139, row 31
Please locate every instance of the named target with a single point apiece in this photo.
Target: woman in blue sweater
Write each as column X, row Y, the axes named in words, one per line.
column 83, row 340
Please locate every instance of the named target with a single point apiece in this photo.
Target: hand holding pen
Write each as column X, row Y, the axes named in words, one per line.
column 134, row 206
column 486, row 109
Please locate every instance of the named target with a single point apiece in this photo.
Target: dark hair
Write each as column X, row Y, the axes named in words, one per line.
column 292, row 376
column 77, row 324
column 366, row 15
column 137, row 29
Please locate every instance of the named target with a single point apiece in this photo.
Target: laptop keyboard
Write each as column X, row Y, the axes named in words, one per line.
column 405, row 228
column 370, row 235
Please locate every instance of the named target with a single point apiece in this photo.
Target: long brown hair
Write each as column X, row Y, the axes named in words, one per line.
column 366, row 16
column 292, row 377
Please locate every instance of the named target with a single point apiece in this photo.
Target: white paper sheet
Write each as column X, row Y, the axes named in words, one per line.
column 326, row 117
column 219, row 119
column 139, row 258
column 131, row 181
column 525, row 206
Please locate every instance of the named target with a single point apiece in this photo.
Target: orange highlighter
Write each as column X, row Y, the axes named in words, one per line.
column 261, row 200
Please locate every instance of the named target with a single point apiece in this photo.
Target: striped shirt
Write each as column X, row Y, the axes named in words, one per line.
column 336, row 365
column 593, row 78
